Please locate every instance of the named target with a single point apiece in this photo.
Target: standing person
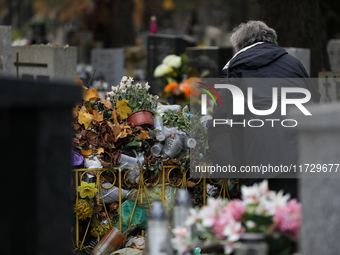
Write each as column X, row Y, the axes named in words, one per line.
column 258, row 56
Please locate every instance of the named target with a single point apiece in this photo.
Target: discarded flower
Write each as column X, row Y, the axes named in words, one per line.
column 83, row 209
column 87, row 190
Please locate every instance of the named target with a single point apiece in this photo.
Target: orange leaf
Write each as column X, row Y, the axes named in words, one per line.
column 78, row 81
column 92, row 135
column 90, row 94
column 100, row 151
column 144, row 134
column 106, row 103
column 96, row 116
column 86, row 153
column 191, row 184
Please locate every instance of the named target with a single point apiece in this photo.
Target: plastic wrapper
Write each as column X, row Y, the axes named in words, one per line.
column 92, row 162
column 112, row 194
column 139, row 216
column 165, row 108
column 167, row 132
column 211, row 190
column 155, row 193
column 77, row 159
column 139, row 242
column 128, row 251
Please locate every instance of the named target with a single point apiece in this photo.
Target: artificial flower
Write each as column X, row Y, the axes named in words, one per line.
column 161, row 70
column 83, row 209
column 173, row 61
column 87, row 190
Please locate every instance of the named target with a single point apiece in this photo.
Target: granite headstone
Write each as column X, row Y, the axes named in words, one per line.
column 5, row 50
column 159, row 46
column 319, row 192
column 208, row 59
column 333, row 49
column 44, row 62
column 36, row 160
column 109, row 64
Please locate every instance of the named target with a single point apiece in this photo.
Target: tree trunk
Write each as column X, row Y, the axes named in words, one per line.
column 298, row 24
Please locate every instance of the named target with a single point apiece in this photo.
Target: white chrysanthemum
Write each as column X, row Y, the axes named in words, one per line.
column 173, row 61
column 161, row 70
column 124, row 78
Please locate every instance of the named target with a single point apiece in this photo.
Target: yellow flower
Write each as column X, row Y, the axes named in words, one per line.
column 83, row 209
column 87, row 190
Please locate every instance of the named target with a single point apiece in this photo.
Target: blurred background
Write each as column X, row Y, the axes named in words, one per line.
column 128, row 24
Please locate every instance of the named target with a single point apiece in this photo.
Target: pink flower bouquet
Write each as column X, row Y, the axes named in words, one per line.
column 260, row 211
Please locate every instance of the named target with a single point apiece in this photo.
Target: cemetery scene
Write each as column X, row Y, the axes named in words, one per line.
column 165, row 127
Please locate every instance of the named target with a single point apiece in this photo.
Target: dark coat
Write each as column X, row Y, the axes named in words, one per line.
column 249, row 146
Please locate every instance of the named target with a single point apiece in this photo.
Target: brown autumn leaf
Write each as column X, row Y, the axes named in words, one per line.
column 92, row 135
column 144, row 134
column 106, row 103
column 190, row 184
column 96, row 116
column 78, row 81
column 86, row 153
column 76, row 127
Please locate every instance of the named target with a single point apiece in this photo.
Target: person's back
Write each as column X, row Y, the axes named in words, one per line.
column 260, row 57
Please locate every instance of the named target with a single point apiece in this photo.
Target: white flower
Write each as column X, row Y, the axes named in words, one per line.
column 114, row 88
column 173, row 61
column 124, row 78
column 128, row 85
column 130, row 80
column 122, row 85
column 147, row 86
column 123, row 91
column 108, row 98
column 139, row 85
column 233, row 231
column 161, row 70
column 110, row 94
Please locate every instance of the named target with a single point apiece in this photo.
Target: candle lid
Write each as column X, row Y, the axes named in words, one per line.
column 183, row 198
column 157, row 211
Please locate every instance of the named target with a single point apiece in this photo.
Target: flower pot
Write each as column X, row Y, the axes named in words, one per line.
column 141, row 118
column 109, row 243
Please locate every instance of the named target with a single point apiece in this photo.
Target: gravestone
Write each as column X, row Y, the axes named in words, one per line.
column 211, row 59
column 5, row 50
column 44, row 62
column 333, row 49
column 37, row 162
column 109, row 64
column 159, row 46
column 319, row 192
column 301, row 54
column 329, row 87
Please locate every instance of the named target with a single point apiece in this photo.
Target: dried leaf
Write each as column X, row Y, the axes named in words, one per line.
column 86, row 153
column 76, row 127
column 78, row 81
column 106, row 103
column 92, row 135
column 144, row 134
column 122, row 109
column 100, row 150
column 84, row 117
column 96, row 116
column 75, row 111
column 190, row 184
column 90, row 94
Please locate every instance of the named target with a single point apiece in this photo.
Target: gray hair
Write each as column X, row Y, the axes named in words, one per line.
column 252, row 32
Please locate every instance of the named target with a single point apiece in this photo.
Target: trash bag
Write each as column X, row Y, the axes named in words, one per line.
column 128, row 251
column 155, row 193
column 112, row 194
column 139, row 216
